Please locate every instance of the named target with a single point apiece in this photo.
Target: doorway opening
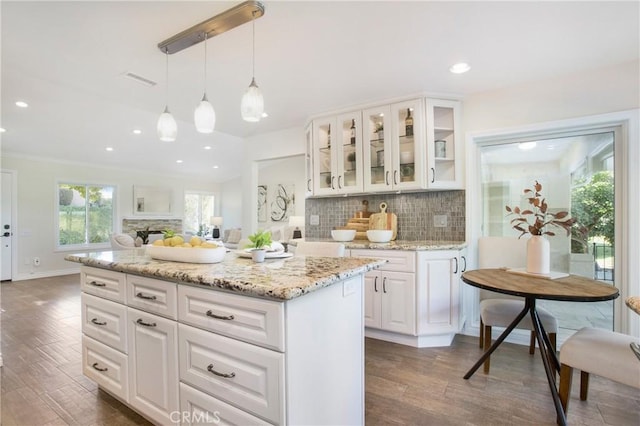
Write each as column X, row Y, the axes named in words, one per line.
column 576, row 172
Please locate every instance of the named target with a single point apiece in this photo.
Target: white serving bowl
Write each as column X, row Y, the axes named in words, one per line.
column 379, row 235
column 343, row 234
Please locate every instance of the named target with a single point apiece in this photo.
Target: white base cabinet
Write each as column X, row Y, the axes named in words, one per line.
column 191, row 355
column 414, row 299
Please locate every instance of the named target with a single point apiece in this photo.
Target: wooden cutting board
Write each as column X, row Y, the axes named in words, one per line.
column 384, row 220
column 360, row 225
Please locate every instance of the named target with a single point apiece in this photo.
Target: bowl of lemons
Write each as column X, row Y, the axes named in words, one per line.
column 196, row 250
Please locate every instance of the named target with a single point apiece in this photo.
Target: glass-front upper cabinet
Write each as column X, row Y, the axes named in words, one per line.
column 337, row 154
column 444, row 149
column 394, row 146
column 308, row 162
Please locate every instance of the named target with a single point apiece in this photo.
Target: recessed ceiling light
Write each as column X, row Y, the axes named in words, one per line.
column 137, row 131
column 215, row 167
column 207, row 147
column 265, row 115
column 459, row 68
column 22, row 104
column 109, row 149
column 178, row 161
column 2, row 130
column 526, row 146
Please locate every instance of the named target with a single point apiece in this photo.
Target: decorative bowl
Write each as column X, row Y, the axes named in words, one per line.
column 379, row 235
column 343, row 234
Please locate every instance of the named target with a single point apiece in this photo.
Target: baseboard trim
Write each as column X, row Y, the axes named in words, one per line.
column 46, row 274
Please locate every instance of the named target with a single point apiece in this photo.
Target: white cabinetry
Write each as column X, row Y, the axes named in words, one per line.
column 409, row 145
column 337, row 154
column 191, row 355
column 394, row 158
column 153, row 365
column 438, row 288
column 444, row 145
column 414, row 299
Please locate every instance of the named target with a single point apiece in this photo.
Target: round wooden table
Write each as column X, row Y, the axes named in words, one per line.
column 572, row 288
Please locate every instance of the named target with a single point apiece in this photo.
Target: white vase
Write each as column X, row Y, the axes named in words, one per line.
column 538, row 255
column 258, row 255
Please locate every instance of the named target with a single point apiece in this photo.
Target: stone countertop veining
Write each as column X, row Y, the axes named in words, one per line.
column 422, row 245
column 280, row 279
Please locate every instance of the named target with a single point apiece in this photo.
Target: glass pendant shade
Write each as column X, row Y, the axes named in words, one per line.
column 252, row 105
column 167, row 126
column 205, row 116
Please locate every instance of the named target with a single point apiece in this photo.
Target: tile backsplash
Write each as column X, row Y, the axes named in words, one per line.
column 130, row 226
column 415, row 213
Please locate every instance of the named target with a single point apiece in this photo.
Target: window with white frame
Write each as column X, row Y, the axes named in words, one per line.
column 198, row 209
column 85, row 214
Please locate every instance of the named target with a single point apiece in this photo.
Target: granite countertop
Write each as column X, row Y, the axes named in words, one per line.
column 280, row 279
column 421, row 245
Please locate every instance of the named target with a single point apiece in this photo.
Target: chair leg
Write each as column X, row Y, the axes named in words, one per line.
column 584, row 385
column 532, row 343
column 481, row 333
column 552, row 339
column 487, row 345
column 566, row 374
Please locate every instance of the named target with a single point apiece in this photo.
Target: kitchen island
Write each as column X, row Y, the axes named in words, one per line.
column 280, row 342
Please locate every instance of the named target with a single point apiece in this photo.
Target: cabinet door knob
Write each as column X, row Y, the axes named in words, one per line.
column 395, row 177
column 433, row 175
column 456, row 270
column 217, row 373
column 339, row 182
column 333, row 178
column 464, row 260
column 386, row 177
column 308, row 184
column 375, row 284
column 384, row 285
column 212, row 315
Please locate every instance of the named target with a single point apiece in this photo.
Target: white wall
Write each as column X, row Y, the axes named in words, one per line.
column 281, row 144
column 35, row 223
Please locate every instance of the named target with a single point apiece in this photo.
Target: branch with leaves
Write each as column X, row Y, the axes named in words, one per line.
column 534, row 219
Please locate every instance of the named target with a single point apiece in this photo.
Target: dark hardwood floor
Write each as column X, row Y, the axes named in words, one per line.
column 42, row 382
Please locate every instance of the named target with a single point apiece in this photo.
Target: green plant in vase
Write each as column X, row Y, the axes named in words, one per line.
column 259, row 243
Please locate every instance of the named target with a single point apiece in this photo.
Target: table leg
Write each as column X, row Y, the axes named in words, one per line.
column 505, row 333
column 553, row 358
column 546, row 357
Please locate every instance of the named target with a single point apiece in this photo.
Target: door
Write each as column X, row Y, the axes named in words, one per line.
column 372, row 291
column 6, row 224
column 398, row 302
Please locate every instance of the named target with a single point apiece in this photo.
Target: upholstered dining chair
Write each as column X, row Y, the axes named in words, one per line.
column 498, row 310
column 319, row 248
column 122, row 241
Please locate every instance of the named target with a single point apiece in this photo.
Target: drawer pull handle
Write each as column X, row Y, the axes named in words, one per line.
column 212, row 315
column 95, row 366
column 97, row 284
column 143, row 296
column 96, row 322
column 146, row 324
column 211, row 370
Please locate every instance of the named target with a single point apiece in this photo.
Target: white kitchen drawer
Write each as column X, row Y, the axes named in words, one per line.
column 151, row 295
column 198, row 408
column 106, row 366
column 251, row 320
column 103, row 283
column 239, row 373
column 398, row 260
column 105, row 321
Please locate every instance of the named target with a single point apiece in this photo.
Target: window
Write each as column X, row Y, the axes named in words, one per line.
column 198, row 208
column 85, row 214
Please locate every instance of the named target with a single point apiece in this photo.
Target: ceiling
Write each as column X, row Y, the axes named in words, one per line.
column 67, row 60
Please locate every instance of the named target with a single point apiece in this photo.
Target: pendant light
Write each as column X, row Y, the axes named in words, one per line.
column 167, row 127
column 252, row 105
column 204, row 115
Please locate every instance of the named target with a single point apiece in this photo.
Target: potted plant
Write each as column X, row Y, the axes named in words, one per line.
column 534, row 221
column 259, row 243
